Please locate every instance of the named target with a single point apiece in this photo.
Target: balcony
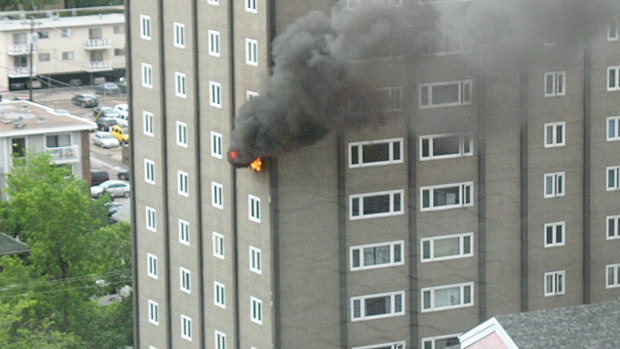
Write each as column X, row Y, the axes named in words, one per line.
column 97, row 44
column 21, row 72
column 96, row 66
column 18, row 49
column 63, row 155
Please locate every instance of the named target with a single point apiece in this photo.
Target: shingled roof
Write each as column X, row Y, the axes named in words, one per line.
column 9, row 246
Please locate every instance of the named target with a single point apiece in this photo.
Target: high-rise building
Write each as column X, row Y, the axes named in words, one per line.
column 425, row 165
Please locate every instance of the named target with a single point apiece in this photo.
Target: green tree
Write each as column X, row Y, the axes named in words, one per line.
column 26, row 5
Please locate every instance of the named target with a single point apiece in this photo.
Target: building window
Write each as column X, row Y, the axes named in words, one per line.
column 118, row 29
column 250, row 95
column 555, row 134
column 250, row 6
column 219, row 294
column 450, row 43
column 119, row 51
column 184, row 232
column 447, row 247
column 445, row 94
column 145, row 27
column 377, row 306
column 554, row 283
column 445, row 146
column 254, row 208
column 147, row 75
column 256, row 306
column 149, row 171
column 396, row 345
column 447, row 297
column 613, row 78
column 217, row 196
column 216, row 145
column 213, row 2
column 555, row 84
column 186, row 328
column 613, row 128
column 185, row 283
column 251, row 51
column 215, row 94
column 67, row 56
column 446, row 196
column 440, row 342
column 147, row 119
column 220, row 340
column 612, row 29
column 179, row 35
column 66, row 33
column 44, row 57
column 554, row 234
column 387, row 99
column 214, row 43
column 377, row 255
column 373, row 153
column 151, row 264
column 255, row 260
column 182, row 134
column 379, row 204
column 613, row 276
column 554, row 184
column 153, row 312
column 613, row 178
column 180, row 87
column 151, row 219
column 613, row 227
column 218, row 245
column 182, row 183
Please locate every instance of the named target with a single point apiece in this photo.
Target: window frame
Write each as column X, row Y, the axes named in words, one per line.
column 391, row 345
column 186, row 327
column 256, row 260
column 466, row 140
column 616, row 78
column 213, row 2
column 217, row 195
column 558, row 84
column 612, row 270
column 553, row 126
column 251, row 6
column 181, row 134
column 558, row 283
column 215, row 94
column 465, row 97
column 558, row 185
column 251, row 52
column 431, row 340
column 612, row 29
column 615, row 170
column 182, row 183
column 147, row 75
column 180, row 85
column 153, row 312
column 356, row 152
column 213, row 43
column 185, row 280
column 466, row 196
column 151, row 219
column 392, row 211
column 431, row 290
column 254, row 211
column 145, row 27
column 178, row 33
column 554, row 234
column 462, row 237
column 220, row 339
column 616, row 223
column 393, row 308
column 219, row 294
column 184, row 232
column 218, row 244
column 147, row 120
column 149, row 171
column 256, row 310
column 615, row 120
column 360, row 255
column 152, row 270
column 216, row 145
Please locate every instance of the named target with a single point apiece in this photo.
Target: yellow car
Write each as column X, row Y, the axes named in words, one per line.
column 120, row 133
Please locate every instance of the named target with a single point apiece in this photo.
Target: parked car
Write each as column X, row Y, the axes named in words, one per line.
column 122, row 108
column 107, row 88
column 105, row 140
column 120, row 134
column 123, row 175
column 85, row 100
column 98, row 176
column 104, row 124
column 114, row 187
column 107, row 112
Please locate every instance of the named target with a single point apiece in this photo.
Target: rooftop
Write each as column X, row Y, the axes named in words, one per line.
column 9, row 246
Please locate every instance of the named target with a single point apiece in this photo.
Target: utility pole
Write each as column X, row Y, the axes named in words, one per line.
column 31, row 39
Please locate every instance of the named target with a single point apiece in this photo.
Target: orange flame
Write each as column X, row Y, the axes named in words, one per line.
column 256, row 165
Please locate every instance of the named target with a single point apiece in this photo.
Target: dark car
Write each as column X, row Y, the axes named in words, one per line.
column 85, row 100
column 108, row 88
column 98, row 176
column 104, row 124
column 106, row 112
column 123, row 175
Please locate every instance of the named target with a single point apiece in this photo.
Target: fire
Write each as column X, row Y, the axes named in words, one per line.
column 256, row 165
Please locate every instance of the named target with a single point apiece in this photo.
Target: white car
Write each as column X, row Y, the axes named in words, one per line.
column 123, row 110
column 113, row 186
column 105, row 140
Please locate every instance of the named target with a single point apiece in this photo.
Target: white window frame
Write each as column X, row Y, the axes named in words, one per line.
column 555, row 283
column 250, row 6
column 392, row 345
column 178, row 34
column 68, row 33
column 432, row 340
column 181, row 134
column 147, row 119
column 612, row 29
column 251, row 52
column 145, row 27
column 394, row 156
column 613, row 128
column 186, row 327
column 612, row 276
column 615, row 234
column 256, row 310
column 554, row 185
column 256, row 260
column 183, row 183
column 612, row 178
column 552, row 131
column 185, row 280
column 465, row 242
column 555, row 84
column 395, row 309
column 216, row 145
column 465, row 196
column 184, row 237
column 220, row 339
column 151, row 266
column 464, row 94
column 213, row 2
column 219, row 294
column 551, row 229
column 358, row 261
column 151, row 219
column 153, row 312
column 217, row 195
column 218, row 245
column 466, row 146
column 180, row 85
column 149, row 171
column 250, row 95
column 356, row 204
column 215, row 94
column 613, row 84
column 214, row 43
column 68, row 56
column 147, row 75
column 254, row 208
column 462, row 288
